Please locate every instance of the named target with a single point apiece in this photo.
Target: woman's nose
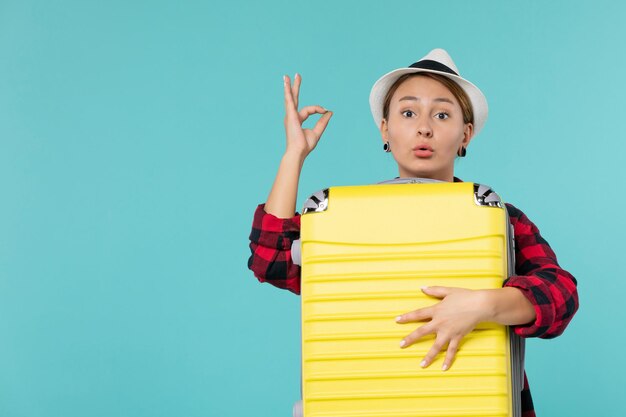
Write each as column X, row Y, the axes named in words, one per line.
column 424, row 129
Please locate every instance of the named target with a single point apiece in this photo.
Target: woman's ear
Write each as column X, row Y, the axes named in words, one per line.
column 468, row 134
column 384, row 130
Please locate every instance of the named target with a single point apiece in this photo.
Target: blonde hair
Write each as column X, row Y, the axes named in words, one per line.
column 454, row 88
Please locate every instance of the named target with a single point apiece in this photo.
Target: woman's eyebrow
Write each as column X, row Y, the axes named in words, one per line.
column 439, row 99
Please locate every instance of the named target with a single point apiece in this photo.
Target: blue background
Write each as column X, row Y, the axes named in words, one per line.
column 136, row 139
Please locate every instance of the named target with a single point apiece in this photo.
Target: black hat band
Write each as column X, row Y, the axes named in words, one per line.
column 433, row 65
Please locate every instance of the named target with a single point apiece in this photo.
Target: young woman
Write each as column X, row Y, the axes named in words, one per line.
column 427, row 115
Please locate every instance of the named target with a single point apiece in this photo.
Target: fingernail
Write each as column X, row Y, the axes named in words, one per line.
column 284, row 78
column 398, row 318
column 444, row 367
column 403, row 343
column 424, row 288
column 297, row 75
column 423, row 364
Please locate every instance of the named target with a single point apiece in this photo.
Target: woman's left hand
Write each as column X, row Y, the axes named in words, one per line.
column 457, row 314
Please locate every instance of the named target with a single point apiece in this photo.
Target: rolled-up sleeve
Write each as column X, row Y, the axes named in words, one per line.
column 270, row 247
column 551, row 289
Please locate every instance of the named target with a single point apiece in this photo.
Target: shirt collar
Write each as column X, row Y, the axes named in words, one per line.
column 456, row 179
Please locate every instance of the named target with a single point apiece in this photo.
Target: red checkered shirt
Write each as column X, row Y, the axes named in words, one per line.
column 550, row 289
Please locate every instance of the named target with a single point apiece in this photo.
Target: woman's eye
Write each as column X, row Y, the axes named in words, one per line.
column 408, row 113
column 442, row 115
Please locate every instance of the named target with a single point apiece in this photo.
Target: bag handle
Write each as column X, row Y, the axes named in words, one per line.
column 410, row 180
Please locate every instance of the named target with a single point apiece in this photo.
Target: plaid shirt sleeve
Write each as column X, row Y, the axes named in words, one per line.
column 550, row 289
column 270, row 244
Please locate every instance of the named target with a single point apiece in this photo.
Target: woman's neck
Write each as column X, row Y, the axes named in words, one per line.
column 447, row 176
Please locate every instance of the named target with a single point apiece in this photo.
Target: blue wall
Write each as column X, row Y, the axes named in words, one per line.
column 136, row 139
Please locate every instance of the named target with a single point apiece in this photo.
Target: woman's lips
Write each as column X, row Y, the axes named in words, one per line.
column 423, row 152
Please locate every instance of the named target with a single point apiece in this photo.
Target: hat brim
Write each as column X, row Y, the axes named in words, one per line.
column 384, row 83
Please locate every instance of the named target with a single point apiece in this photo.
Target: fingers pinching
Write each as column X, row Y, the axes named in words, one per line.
column 295, row 118
column 321, row 124
column 305, row 112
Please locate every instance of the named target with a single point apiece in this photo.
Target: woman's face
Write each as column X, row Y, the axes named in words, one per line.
column 425, row 129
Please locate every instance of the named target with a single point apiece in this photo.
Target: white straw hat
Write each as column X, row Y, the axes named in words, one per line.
column 436, row 61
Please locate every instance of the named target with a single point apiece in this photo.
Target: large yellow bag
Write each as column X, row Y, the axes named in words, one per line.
column 365, row 252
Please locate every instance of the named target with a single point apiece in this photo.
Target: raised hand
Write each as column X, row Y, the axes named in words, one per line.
column 301, row 141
